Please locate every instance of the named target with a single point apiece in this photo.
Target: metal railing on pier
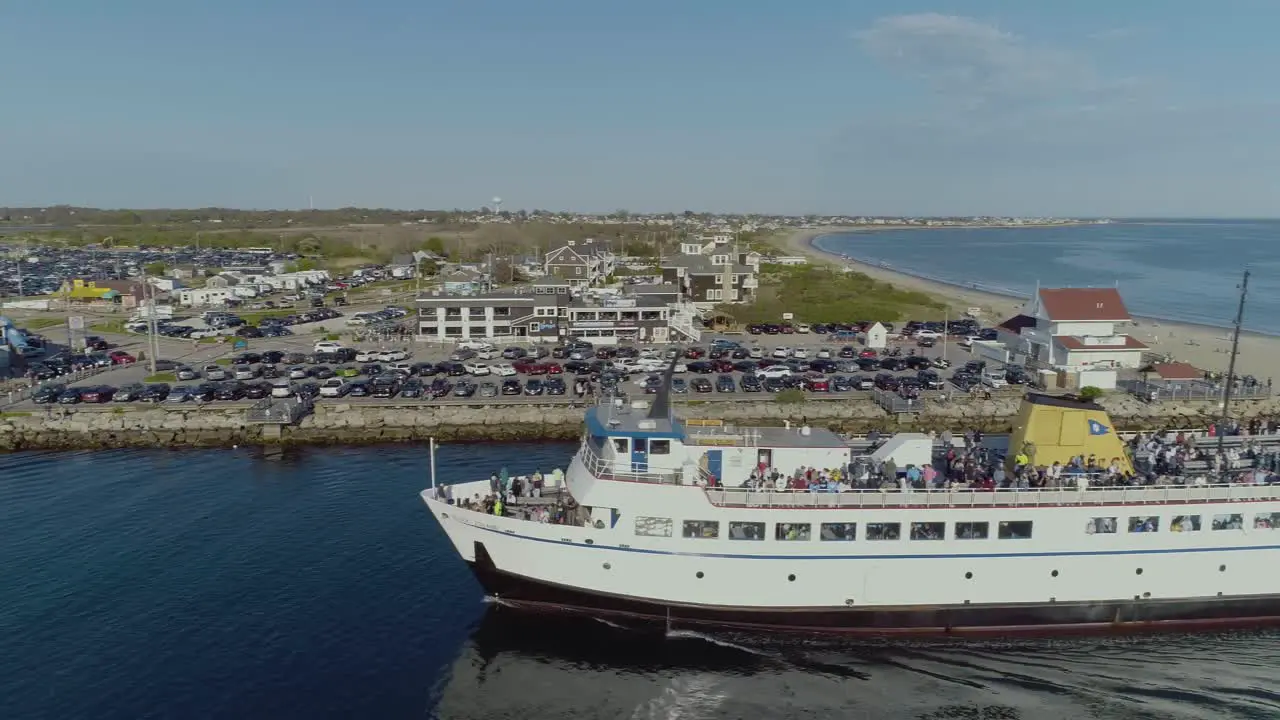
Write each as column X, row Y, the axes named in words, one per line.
column 1192, row 391
column 279, row 411
column 24, row 393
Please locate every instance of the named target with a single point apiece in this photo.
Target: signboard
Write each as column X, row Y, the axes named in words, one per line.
column 788, row 316
column 240, row 344
column 75, row 322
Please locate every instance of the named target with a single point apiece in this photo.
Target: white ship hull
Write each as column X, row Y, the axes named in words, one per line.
column 1122, row 581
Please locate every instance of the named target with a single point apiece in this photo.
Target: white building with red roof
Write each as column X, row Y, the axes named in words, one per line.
column 1073, row 329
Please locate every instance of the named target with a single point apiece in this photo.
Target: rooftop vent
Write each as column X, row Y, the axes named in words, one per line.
column 646, row 425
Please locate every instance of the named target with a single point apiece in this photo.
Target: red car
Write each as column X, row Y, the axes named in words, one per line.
column 120, row 357
column 817, row 384
column 694, row 353
column 867, row 353
column 788, row 329
column 722, row 366
column 530, row 368
column 554, row 369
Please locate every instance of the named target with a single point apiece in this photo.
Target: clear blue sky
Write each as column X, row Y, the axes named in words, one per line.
column 862, row 106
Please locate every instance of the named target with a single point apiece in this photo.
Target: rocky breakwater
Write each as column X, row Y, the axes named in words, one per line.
column 357, row 423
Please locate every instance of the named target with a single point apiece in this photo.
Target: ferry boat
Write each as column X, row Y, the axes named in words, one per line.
column 668, row 527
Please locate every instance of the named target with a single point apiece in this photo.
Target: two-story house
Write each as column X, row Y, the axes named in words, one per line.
column 1074, row 329
column 723, row 276
column 463, row 280
column 581, row 263
column 535, row 313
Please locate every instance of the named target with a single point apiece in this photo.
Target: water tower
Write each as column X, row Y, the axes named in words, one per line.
column 497, row 205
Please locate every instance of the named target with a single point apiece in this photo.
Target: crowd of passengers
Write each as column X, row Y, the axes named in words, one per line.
column 521, row 497
column 1155, row 460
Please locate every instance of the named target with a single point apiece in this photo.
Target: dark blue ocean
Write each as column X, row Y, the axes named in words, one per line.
column 229, row 584
column 1187, row 271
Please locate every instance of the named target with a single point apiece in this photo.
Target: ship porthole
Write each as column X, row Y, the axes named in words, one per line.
column 1139, row 571
column 1222, row 568
column 791, row 578
column 589, row 541
column 607, row 566
column 968, row 576
column 1054, row 573
column 698, row 575
column 444, row 515
column 1146, row 594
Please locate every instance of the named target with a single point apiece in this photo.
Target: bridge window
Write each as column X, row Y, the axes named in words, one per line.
column 621, row 446
column 1014, row 530
column 884, row 531
column 928, row 531
column 1101, row 526
column 1266, row 521
column 839, row 531
column 706, row 529
column 746, row 531
column 972, row 530
column 659, row 447
column 1185, row 523
column 1144, row 523
column 1234, row 521
column 653, row 526
column 792, row 531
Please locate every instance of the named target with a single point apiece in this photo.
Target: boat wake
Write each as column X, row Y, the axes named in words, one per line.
column 692, row 635
column 691, row 697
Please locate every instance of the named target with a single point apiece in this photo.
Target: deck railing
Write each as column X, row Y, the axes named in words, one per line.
column 1143, row 495
column 608, row 470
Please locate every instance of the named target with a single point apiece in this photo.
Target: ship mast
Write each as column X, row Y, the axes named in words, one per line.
column 1231, row 365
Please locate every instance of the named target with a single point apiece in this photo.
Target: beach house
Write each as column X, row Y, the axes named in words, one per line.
column 1076, row 329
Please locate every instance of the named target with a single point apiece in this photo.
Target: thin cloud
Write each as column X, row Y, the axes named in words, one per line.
column 962, row 56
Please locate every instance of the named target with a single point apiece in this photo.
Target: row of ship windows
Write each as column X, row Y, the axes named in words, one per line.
column 1182, row 523
column 710, row 530
column 1005, row 530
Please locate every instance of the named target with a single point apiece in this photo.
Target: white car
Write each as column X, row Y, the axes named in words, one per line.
column 333, row 387
column 393, row 355
column 327, row 346
column 403, row 368
column 994, row 379
column 781, row 352
column 297, row 372
column 489, row 353
column 773, row 372
column 800, row 353
column 824, row 354
column 680, row 368
column 474, row 345
column 367, row 356
column 928, row 334
column 502, row 370
column 476, row 368
column 756, row 353
column 650, row 352
column 968, row 341
column 804, row 328
column 282, row 390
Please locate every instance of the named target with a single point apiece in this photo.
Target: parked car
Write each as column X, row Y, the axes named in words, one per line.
column 120, row 357
column 512, row 387
column 334, row 387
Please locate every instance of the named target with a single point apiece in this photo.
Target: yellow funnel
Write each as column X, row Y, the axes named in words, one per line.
column 1051, row 429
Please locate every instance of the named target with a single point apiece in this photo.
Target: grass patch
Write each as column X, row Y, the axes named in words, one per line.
column 790, row 396
column 14, row 414
column 42, row 322
column 109, row 326
column 257, row 316
column 207, row 341
column 822, row 294
column 163, row 377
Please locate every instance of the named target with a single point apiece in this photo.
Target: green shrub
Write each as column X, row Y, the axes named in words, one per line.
column 790, row 396
column 1089, row 393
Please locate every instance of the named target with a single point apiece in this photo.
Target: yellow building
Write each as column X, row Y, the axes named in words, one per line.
column 121, row 292
column 1051, row 429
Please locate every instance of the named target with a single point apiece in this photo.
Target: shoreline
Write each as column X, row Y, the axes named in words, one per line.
column 1205, row 346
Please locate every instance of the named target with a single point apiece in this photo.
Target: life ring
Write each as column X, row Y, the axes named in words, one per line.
column 599, row 524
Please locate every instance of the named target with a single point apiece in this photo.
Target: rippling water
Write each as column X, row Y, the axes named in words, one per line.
column 222, row 584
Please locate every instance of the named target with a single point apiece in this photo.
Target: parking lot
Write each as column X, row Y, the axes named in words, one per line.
column 719, row 368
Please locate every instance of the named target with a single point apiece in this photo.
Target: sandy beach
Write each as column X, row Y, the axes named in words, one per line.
column 1205, row 347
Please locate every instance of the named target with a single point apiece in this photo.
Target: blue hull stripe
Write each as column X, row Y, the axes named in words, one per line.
column 928, row 556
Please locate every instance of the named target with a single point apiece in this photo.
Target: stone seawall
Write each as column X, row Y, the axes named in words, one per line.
column 354, row 423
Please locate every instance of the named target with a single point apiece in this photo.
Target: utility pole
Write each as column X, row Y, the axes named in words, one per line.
column 1231, row 365
column 946, row 331
column 22, row 253
column 148, row 294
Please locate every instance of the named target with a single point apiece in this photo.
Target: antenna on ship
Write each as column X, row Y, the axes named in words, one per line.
column 1231, row 365
column 661, row 409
